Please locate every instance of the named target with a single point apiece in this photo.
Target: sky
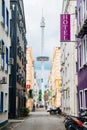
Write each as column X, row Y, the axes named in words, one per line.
column 33, row 13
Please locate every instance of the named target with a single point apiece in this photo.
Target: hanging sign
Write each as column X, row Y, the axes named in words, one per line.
column 64, row 27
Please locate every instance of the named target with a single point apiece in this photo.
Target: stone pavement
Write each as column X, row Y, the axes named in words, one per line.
column 13, row 123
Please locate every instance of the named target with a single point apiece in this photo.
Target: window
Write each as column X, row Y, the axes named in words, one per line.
column 83, row 7
column 2, row 61
column 1, row 101
column 76, row 67
column 3, row 11
column 81, row 11
column 86, row 48
column 2, row 56
column 83, row 52
column 5, row 102
column 85, row 92
column 6, row 64
column 7, row 20
column 80, row 56
column 81, row 98
column 6, row 55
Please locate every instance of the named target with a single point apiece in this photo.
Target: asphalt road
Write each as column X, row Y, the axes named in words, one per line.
column 41, row 120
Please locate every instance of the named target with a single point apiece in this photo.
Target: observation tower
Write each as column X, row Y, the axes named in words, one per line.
column 42, row 58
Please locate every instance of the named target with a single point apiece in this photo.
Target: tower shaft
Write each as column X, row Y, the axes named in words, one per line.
column 42, row 25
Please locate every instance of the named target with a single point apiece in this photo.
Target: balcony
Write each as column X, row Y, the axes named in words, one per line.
column 82, row 30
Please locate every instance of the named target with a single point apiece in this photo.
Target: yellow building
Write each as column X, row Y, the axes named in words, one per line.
column 29, row 77
column 56, row 78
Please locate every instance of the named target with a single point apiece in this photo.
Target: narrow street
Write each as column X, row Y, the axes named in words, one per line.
column 39, row 120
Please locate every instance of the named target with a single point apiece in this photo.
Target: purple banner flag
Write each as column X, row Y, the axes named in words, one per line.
column 64, row 27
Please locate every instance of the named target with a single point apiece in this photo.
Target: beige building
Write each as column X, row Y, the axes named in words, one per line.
column 54, row 79
column 29, row 77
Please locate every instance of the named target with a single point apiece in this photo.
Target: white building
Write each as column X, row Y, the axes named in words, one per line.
column 4, row 59
column 35, row 90
column 69, row 63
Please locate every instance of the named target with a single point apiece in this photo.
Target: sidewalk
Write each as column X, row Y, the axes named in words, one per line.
column 11, row 124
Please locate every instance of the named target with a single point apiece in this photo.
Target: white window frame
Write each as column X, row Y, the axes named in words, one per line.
column 1, row 105
column 84, row 50
column 81, row 91
column 83, row 8
column 86, row 47
column 80, row 56
column 84, row 98
column 5, row 101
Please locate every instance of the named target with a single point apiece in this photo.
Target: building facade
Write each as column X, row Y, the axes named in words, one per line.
column 54, row 80
column 17, row 77
column 29, row 77
column 82, row 52
column 36, row 90
column 69, row 63
column 56, row 95
column 4, row 59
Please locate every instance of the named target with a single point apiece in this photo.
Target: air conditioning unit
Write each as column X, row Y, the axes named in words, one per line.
column 11, row 61
column 3, row 80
